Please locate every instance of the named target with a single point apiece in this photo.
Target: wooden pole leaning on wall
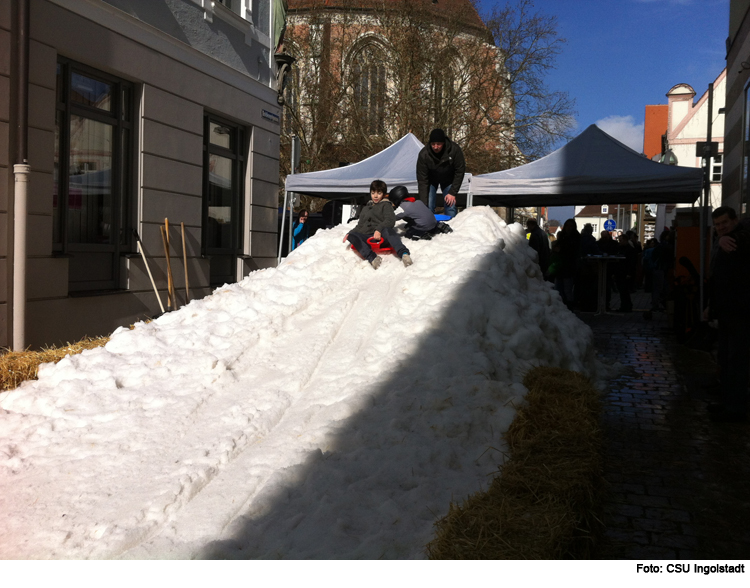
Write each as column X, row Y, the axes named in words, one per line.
column 169, row 278
column 170, row 275
column 184, row 261
column 148, row 269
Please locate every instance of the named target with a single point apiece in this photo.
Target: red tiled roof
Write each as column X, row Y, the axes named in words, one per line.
column 440, row 8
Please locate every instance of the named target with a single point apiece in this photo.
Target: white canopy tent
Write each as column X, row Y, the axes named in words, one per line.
column 593, row 168
column 395, row 165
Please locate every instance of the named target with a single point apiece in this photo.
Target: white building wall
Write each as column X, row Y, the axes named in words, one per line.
column 689, row 125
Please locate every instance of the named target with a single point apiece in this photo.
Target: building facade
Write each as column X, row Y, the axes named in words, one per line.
column 736, row 191
column 370, row 71
column 673, row 132
column 688, row 125
column 138, row 111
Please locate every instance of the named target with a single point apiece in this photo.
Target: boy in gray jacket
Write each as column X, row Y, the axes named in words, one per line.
column 377, row 220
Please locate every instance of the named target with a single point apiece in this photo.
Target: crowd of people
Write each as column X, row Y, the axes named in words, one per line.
column 727, row 302
column 564, row 260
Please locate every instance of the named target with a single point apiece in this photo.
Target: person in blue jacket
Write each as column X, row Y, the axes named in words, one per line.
column 301, row 230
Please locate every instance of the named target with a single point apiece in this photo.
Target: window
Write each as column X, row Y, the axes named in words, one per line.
column 92, row 175
column 262, row 16
column 716, row 168
column 224, row 168
column 233, row 5
column 369, row 81
column 445, row 92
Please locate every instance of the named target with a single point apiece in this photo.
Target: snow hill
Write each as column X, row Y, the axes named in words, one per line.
column 320, row 409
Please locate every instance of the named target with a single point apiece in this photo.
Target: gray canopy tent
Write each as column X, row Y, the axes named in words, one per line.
column 396, row 165
column 593, row 168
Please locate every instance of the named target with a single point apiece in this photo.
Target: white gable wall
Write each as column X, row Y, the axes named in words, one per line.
column 688, row 124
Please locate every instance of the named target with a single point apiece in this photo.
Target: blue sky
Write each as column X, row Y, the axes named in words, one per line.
column 624, row 54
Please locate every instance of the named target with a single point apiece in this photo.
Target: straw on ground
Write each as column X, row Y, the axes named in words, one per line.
column 544, row 503
column 18, row 366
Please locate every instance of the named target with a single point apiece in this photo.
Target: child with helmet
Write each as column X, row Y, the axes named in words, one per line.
column 420, row 221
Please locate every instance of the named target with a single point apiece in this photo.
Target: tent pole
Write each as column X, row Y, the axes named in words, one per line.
column 294, row 163
column 291, row 221
column 281, row 232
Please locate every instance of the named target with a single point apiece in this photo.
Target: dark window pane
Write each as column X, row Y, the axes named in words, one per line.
column 261, row 16
column 220, row 200
column 91, row 92
column 56, row 228
column 126, row 104
column 90, row 182
column 125, row 154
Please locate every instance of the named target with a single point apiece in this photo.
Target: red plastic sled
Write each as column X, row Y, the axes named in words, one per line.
column 376, row 246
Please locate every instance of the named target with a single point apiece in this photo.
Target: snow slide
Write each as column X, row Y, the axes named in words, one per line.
column 320, row 409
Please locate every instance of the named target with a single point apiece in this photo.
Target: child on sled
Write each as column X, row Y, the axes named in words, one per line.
column 377, row 221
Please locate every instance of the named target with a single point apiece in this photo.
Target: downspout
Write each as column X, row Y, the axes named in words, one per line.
column 706, row 193
column 21, row 170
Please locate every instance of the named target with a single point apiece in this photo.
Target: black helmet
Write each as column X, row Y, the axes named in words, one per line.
column 397, row 195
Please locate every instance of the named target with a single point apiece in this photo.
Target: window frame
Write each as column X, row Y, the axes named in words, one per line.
column 240, row 137
column 717, row 163
column 121, row 118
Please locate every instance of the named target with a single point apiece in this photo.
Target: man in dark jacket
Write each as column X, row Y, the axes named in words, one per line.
column 570, row 250
column 539, row 242
column 440, row 163
column 625, row 272
column 729, row 302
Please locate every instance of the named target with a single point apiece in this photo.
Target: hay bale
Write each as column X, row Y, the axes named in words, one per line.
column 18, row 366
column 544, row 503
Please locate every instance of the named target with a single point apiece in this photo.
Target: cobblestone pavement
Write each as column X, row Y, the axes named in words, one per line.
column 679, row 484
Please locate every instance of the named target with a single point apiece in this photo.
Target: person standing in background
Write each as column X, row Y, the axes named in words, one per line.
column 301, row 230
column 729, row 303
column 570, row 251
column 539, row 242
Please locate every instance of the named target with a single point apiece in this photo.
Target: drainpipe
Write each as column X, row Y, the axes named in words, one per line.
column 21, row 170
column 706, row 193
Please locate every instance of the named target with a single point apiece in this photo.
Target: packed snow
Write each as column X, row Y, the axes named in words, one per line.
column 321, row 409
